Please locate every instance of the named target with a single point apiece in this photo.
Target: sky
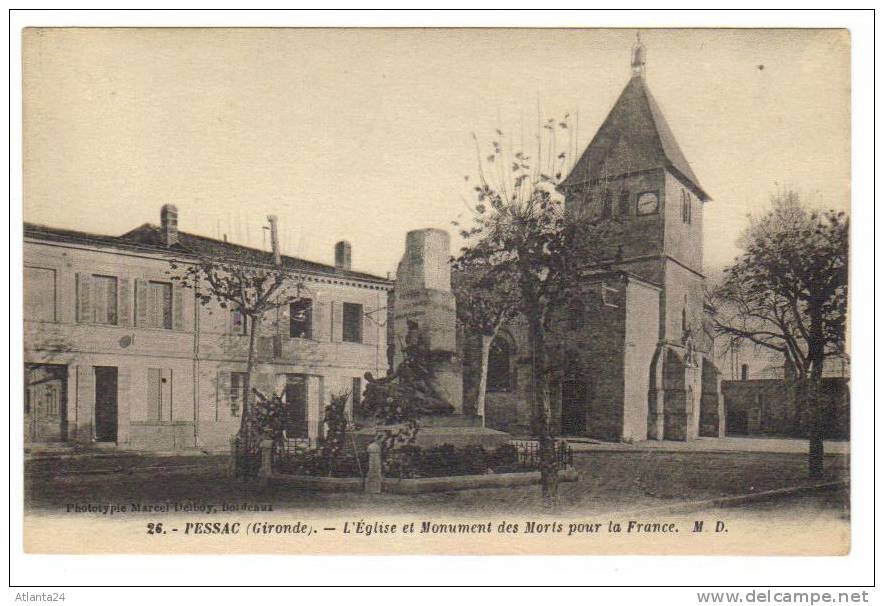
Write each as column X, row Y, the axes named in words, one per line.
column 365, row 134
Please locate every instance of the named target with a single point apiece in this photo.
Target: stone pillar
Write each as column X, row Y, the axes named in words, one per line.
column 266, row 462
column 423, row 297
column 656, row 408
column 374, row 479
column 712, row 404
column 682, row 391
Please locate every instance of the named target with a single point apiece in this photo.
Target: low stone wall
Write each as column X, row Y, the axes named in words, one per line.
column 317, row 483
column 374, row 482
column 488, row 480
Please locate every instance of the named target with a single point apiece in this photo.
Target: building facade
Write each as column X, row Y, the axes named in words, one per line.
column 118, row 355
column 634, row 360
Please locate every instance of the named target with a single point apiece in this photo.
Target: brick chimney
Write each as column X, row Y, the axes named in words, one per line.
column 274, row 239
column 169, row 224
column 343, row 255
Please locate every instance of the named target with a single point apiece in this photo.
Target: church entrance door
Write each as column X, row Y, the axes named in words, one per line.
column 573, row 407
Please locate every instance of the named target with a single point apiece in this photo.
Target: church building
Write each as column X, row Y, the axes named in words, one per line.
column 634, row 359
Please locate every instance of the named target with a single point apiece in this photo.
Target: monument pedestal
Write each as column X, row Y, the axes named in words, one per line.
column 424, row 319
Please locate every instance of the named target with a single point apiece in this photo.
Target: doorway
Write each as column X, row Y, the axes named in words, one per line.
column 105, row 403
column 46, row 402
column 573, row 407
column 737, row 423
column 296, row 406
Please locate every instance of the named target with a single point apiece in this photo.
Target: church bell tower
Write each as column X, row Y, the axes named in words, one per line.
column 634, row 172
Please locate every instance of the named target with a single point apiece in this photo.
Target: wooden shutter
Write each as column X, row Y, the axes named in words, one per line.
column 283, row 313
column 85, row 401
column 85, row 312
column 337, row 321
column 166, row 391
column 124, row 399
column 320, row 324
column 177, row 307
column 369, row 327
column 124, row 317
column 154, row 395
column 222, row 397
column 141, row 303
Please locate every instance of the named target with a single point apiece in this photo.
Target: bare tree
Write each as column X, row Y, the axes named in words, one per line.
column 523, row 235
column 235, row 281
column 787, row 293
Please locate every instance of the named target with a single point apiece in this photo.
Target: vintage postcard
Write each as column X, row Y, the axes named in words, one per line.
column 436, row 291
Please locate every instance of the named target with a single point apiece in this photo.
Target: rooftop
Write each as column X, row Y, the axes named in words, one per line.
column 148, row 238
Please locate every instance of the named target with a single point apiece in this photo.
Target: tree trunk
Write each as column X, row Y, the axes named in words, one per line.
column 549, row 479
column 247, row 385
column 483, row 377
column 816, row 430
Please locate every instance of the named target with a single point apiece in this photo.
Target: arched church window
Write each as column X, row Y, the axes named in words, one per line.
column 499, row 364
column 623, row 203
column 607, row 205
column 576, row 314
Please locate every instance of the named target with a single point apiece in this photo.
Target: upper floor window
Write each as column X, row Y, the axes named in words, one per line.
column 104, row 299
column 159, row 305
column 352, row 327
column 238, row 323
column 301, row 319
column 39, row 290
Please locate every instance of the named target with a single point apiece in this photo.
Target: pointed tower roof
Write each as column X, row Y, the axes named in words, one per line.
column 637, row 130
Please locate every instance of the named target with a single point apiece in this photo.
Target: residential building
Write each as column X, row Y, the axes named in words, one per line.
column 119, row 354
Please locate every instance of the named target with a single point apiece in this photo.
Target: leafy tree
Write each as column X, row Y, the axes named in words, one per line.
column 787, row 293
column 523, row 236
column 336, row 422
column 487, row 298
column 235, row 280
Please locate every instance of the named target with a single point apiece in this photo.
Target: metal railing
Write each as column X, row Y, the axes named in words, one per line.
column 528, row 453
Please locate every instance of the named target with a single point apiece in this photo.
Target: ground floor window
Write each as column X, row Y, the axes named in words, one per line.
column 237, row 392
column 45, row 402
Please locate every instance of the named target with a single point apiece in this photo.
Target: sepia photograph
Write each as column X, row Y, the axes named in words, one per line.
column 463, row 291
